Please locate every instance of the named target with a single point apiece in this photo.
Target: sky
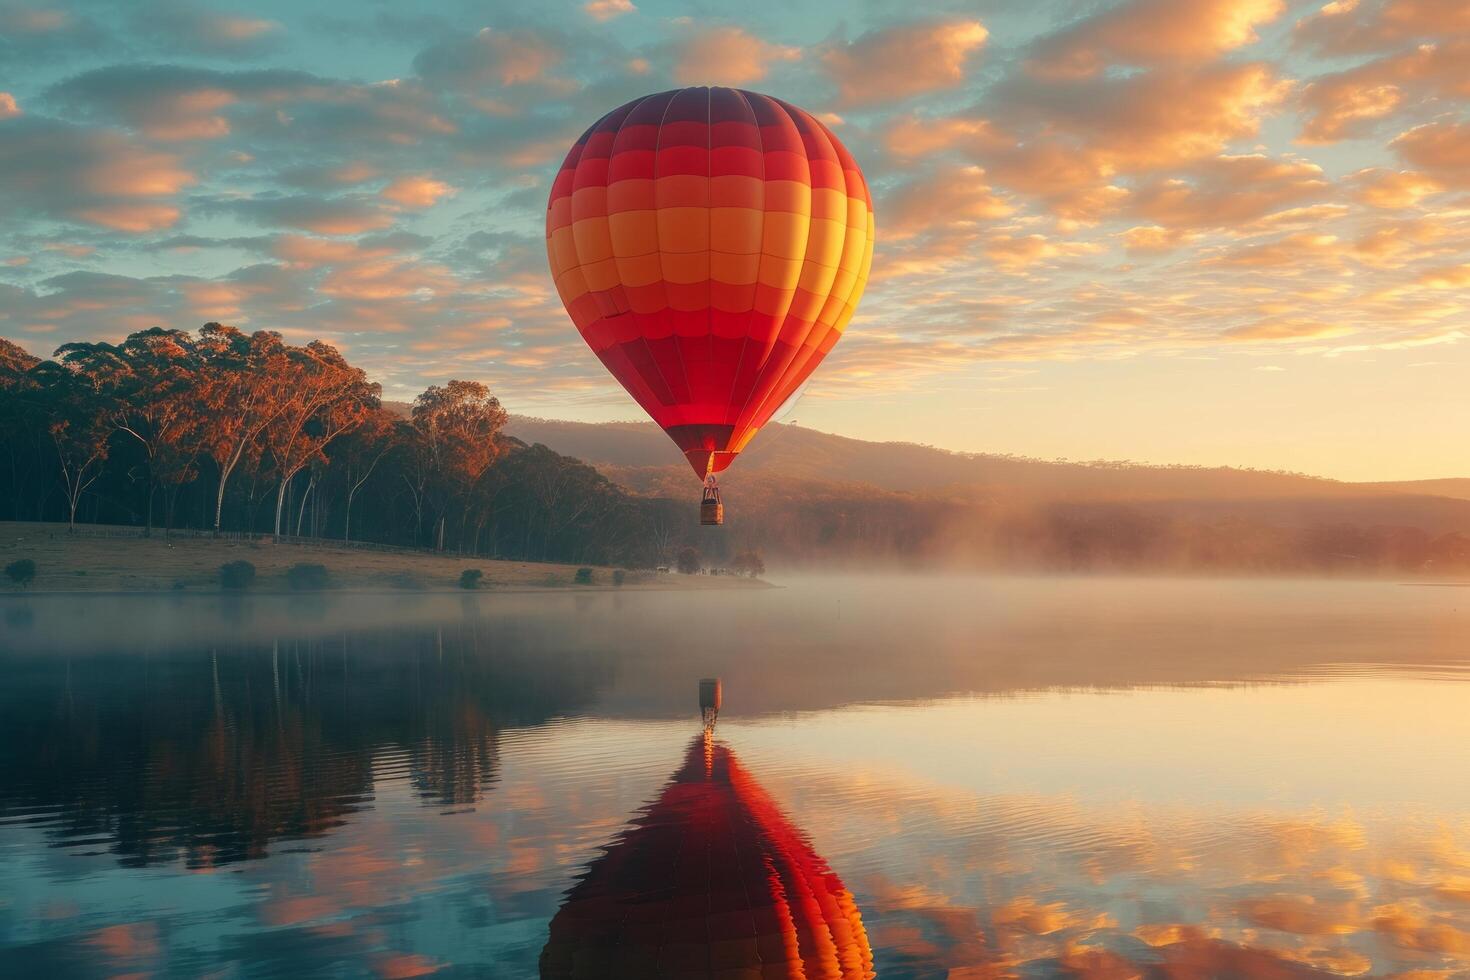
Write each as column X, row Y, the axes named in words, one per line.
column 1206, row 232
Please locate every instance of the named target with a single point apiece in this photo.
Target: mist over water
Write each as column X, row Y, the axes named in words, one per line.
column 1012, row 776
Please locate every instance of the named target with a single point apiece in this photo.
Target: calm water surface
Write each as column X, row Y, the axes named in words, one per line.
column 910, row 778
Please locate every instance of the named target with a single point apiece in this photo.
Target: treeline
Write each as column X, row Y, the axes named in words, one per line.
column 231, row 431
column 795, row 522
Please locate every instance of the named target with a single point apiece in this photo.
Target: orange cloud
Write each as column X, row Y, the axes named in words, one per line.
column 1393, row 244
column 603, row 10
column 1015, row 252
column 1392, row 188
column 1349, row 103
column 911, row 136
column 136, row 218
column 1228, row 190
column 952, row 197
column 1442, row 149
column 897, row 63
column 1147, row 239
column 491, row 57
column 1150, row 120
column 1286, row 254
column 8, row 108
column 188, row 115
column 728, row 56
column 416, row 191
column 1353, row 26
column 1152, row 32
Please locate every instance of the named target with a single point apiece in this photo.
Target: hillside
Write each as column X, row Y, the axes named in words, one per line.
column 641, row 454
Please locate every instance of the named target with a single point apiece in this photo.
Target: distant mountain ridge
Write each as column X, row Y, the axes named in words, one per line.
column 636, row 448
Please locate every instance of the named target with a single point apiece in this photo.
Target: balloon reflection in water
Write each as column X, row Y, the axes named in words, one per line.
column 711, row 880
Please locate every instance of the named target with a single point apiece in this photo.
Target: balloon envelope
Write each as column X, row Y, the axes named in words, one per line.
column 711, row 245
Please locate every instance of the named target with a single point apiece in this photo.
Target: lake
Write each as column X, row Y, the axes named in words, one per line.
column 909, row 777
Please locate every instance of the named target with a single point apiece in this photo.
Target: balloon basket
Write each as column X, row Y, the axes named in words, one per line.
column 711, row 508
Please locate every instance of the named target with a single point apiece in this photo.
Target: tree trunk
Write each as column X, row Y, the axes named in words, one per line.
column 301, row 511
column 347, row 522
column 280, row 502
column 219, row 500
column 148, row 521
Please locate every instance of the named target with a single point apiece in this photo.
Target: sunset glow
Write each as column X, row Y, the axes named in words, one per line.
column 1228, row 231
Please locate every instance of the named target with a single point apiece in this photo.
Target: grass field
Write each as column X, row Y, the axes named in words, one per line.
column 85, row 562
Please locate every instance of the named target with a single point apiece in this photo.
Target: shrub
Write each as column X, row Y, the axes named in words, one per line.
column 583, row 576
column 22, row 571
column 470, row 578
column 236, row 576
column 619, row 576
column 688, row 561
column 307, row 576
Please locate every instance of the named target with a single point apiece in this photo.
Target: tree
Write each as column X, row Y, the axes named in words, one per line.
column 322, row 398
column 357, row 455
column 244, row 389
column 20, row 421
column 456, row 428
column 150, row 382
column 688, row 561
column 79, row 424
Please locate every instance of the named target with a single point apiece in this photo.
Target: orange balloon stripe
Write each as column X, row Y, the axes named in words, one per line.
column 710, row 246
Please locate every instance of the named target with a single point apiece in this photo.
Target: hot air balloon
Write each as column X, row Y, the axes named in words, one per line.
column 711, row 245
column 711, row 880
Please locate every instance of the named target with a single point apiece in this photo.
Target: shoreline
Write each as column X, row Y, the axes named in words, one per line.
column 737, row 584
column 101, row 561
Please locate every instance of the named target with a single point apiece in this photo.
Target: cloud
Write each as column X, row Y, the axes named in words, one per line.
column 897, row 63
column 489, row 59
column 952, row 197
column 44, row 34
column 8, row 108
column 1153, row 239
column 325, row 216
column 1152, row 32
column 170, row 102
column 270, row 107
column 1349, row 104
column 604, row 10
column 1228, row 191
column 181, row 27
column 1441, row 149
column 1381, row 188
column 1356, row 26
column 912, row 136
column 416, row 191
column 727, row 56
column 96, row 176
column 1159, row 118
column 1015, row 252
